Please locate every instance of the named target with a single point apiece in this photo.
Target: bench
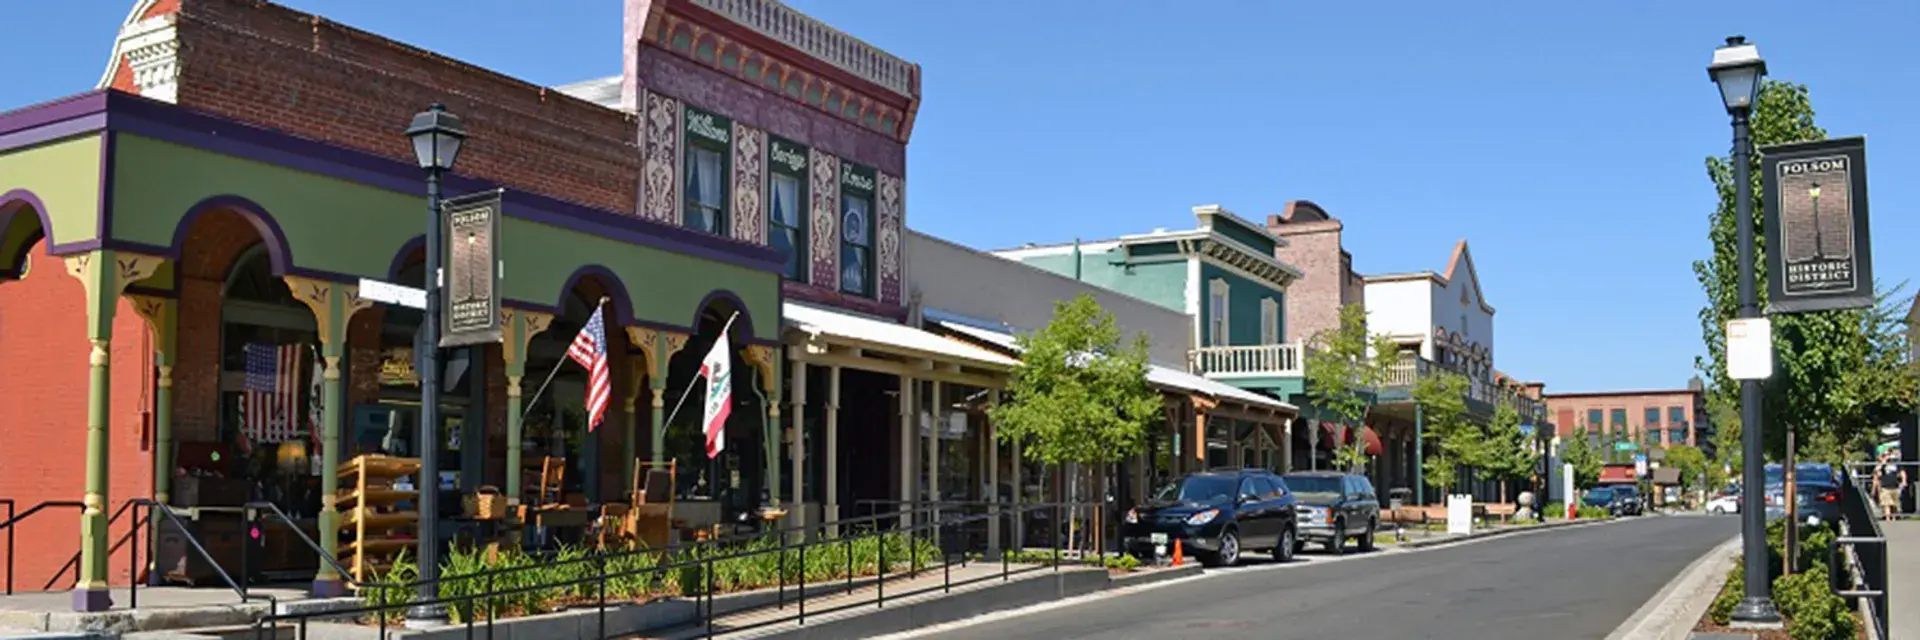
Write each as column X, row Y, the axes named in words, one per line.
column 1502, row 510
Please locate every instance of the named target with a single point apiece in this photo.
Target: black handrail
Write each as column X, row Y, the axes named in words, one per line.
column 273, row 605
column 706, row 563
column 1866, row 545
column 13, row 519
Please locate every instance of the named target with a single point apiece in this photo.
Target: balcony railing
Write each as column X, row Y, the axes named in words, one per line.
column 1409, row 369
column 1278, row 360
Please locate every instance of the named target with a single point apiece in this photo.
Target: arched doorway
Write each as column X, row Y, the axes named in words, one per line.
column 268, row 411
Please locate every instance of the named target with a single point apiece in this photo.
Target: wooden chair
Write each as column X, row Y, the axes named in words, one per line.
column 650, row 520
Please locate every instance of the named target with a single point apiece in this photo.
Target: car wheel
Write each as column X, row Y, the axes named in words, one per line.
column 1283, row 552
column 1366, row 543
column 1338, row 544
column 1718, row 511
column 1229, row 554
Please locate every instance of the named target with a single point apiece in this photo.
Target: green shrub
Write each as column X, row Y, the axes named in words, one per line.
column 1812, row 610
column 1730, row 594
column 1123, row 562
column 1590, row 512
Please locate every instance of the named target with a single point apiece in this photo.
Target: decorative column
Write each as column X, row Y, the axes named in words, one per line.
column 1201, row 407
column 830, row 512
column 797, row 449
column 660, row 349
column 518, row 327
column 1419, row 455
column 936, row 412
column 908, row 497
column 333, row 305
column 105, row 273
column 163, row 321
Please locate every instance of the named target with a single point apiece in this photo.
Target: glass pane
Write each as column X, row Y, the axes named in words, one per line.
column 786, row 200
column 1653, row 416
column 853, row 220
column 708, row 177
column 853, row 269
column 1676, row 415
column 786, row 240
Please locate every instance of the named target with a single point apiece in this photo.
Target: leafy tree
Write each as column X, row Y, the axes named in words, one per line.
column 1509, row 454
column 1846, row 370
column 1079, row 396
column 1453, row 438
column 1726, row 440
column 1345, row 368
column 1576, row 450
column 1691, row 462
column 1352, row 457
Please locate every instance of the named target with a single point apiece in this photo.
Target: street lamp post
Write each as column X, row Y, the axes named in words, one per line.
column 1737, row 69
column 437, row 135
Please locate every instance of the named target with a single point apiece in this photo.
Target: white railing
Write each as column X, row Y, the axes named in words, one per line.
column 1282, row 360
column 801, row 31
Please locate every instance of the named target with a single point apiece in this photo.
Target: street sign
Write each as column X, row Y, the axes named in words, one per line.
column 391, row 293
column 1624, row 446
column 1749, row 349
column 1818, row 253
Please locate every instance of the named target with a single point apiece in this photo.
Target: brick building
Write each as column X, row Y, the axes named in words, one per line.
column 1650, row 419
column 240, row 169
column 1314, row 246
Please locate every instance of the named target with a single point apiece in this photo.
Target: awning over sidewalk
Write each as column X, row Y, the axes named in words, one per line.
column 839, row 338
column 1371, row 439
column 1156, row 374
column 1617, row 474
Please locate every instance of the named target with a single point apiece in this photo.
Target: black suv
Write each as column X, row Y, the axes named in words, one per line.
column 1216, row 515
column 1334, row 507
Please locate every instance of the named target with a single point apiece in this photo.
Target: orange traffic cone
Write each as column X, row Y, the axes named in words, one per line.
column 1178, row 556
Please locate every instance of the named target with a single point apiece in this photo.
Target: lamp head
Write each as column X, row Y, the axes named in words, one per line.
column 1737, row 69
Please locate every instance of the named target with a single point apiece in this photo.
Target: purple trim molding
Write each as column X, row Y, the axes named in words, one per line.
column 723, row 295
column 418, row 243
column 13, row 201
column 122, row 112
column 278, row 254
column 616, row 289
column 104, row 221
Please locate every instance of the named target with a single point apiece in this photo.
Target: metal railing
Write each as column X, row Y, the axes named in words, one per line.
column 704, row 558
column 1865, row 545
column 12, row 522
column 1282, row 360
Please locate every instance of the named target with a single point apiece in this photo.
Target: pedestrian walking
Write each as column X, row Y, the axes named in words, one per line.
column 1888, row 481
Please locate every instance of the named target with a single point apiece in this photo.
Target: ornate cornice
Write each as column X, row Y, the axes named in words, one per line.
column 1268, row 271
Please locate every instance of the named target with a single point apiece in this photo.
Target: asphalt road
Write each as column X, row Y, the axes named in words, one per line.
column 1580, row 582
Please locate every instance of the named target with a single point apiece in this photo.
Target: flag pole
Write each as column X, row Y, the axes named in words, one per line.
column 689, row 391
column 556, row 369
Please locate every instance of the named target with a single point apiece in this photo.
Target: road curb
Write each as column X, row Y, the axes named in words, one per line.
column 1671, row 613
column 1489, row 533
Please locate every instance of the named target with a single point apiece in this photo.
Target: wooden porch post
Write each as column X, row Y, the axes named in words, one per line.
column 993, row 474
column 797, row 449
column 831, row 498
column 333, row 305
column 105, row 273
column 907, row 435
column 764, row 362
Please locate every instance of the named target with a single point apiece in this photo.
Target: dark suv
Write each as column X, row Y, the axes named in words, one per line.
column 1216, row 515
column 1335, row 507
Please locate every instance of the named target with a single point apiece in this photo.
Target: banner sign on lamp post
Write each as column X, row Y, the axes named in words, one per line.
column 1818, row 252
column 472, row 305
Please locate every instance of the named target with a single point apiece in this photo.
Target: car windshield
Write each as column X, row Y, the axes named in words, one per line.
column 1205, row 489
column 1308, row 486
column 1599, row 493
column 1626, row 491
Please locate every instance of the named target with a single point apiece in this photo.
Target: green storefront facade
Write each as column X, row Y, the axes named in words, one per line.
column 157, row 209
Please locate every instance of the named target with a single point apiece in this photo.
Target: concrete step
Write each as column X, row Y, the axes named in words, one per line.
column 10, row 633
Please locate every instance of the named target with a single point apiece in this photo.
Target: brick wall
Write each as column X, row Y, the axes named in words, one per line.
column 272, row 66
column 1313, row 302
column 43, row 420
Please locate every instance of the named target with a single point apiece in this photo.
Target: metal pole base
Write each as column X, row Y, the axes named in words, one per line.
column 434, row 616
column 329, row 588
column 87, row 600
column 1755, row 613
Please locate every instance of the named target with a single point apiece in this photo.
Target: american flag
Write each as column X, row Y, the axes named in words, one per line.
column 590, row 350
column 270, row 403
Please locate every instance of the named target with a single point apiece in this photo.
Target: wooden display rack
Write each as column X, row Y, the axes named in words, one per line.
column 377, row 529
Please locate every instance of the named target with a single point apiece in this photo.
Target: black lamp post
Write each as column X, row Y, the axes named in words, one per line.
column 1737, row 69
column 437, row 135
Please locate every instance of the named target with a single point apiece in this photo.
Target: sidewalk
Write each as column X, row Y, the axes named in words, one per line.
column 161, row 608
column 1903, row 576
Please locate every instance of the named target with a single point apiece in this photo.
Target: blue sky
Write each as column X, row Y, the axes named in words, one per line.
column 1563, row 140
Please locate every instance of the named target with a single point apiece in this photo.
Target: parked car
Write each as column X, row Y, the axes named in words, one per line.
column 1609, row 498
column 1334, row 507
column 1818, row 499
column 1724, row 504
column 1631, row 502
column 1216, row 515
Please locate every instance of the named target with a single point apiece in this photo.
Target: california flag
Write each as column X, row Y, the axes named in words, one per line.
column 718, row 371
